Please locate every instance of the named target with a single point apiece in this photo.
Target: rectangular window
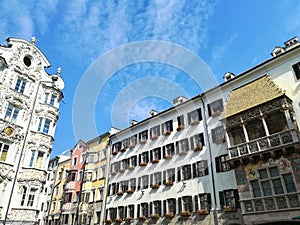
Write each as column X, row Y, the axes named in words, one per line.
column 194, row 117
column 31, row 196
column 167, row 127
column 145, row 209
column 229, row 199
column 168, row 150
column 182, row 146
column 74, row 162
column 255, row 188
column 180, row 122
column 215, row 108
column 32, row 158
column 200, row 168
column 20, row 85
column 186, row 172
column 23, row 195
column 169, row 176
column 205, row 201
column 130, row 211
column 197, row 142
column 289, row 183
column 116, row 147
column 157, row 207
column 144, row 158
column 3, row 151
column 46, row 126
column 218, row 135
column 144, row 181
column 156, row 178
column 222, row 163
column 143, row 136
column 154, row 132
column 52, row 99
column 11, row 113
column 171, row 205
column 155, row 155
column 185, row 204
column 46, row 98
column 133, row 141
column 296, row 68
column 39, row 159
column 133, row 161
column 132, row 184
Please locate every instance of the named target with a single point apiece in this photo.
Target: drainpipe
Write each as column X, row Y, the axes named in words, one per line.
column 215, row 215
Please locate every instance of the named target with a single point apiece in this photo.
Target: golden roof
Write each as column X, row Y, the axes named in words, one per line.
column 252, row 94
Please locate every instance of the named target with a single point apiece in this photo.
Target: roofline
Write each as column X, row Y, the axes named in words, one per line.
column 100, row 136
column 34, row 46
column 212, row 89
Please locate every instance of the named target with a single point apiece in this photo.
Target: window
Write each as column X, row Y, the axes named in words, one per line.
column 72, row 176
column 218, row 135
column 115, row 167
column 24, row 196
column 271, row 183
column 121, row 212
column 167, row 127
column 144, row 209
column 182, row 146
column 39, row 159
column 133, row 161
column 185, row 204
column 52, row 99
column 143, row 136
column 194, row 117
column 154, row 132
column 124, row 185
column 31, row 196
column 46, row 98
column 169, row 206
column 74, row 161
column 44, row 125
column 144, row 182
column 229, row 198
column 20, row 85
column 104, row 152
column 155, row 179
column 180, row 122
column 113, row 213
column 124, row 164
column 169, row 175
column 143, row 158
column 157, row 207
column 125, row 144
column 132, row 184
column 215, row 108
column 11, row 113
column 133, row 141
column 296, row 68
column 116, row 147
column 168, row 150
column 222, row 163
column 130, row 211
column 197, row 141
column 200, row 168
column 155, row 155
column 205, row 201
column 3, row 151
column 100, row 194
column 102, row 172
column 184, row 173
column 87, row 197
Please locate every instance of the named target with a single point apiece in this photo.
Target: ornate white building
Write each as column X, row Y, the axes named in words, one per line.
column 29, row 110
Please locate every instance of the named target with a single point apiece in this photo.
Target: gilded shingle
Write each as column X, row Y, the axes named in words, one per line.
column 252, row 94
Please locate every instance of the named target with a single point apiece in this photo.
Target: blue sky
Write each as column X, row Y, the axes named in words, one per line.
column 227, row 35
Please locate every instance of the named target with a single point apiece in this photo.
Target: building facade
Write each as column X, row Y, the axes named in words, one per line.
column 261, row 122
column 94, row 181
column 57, row 193
column 172, row 168
column 29, row 112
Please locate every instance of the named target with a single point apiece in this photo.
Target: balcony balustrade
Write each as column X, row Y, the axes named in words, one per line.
column 263, row 144
column 276, row 203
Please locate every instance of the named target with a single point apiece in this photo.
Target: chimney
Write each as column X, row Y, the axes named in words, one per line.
column 228, row 76
column 179, row 100
column 153, row 112
column 133, row 122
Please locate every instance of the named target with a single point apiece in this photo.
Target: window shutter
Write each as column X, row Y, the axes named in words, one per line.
column 206, row 167
column 218, row 164
column 150, row 209
column 138, row 210
column 189, row 117
column 159, row 153
column 177, row 147
column 160, row 177
column 109, row 187
column 171, row 125
column 140, row 158
column 190, row 203
column 125, row 212
column 164, row 151
column 151, row 155
column 139, row 184
column 236, row 198
column 179, row 205
column 222, row 200
column 195, row 174
column 164, row 177
column 213, row 135
column 164, row 207
column 192, row 143
column 178, row 174
column 151, row 179
column 209, row 110
column 199, row 114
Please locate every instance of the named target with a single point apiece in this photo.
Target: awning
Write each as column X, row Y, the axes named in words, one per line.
column 252, row 94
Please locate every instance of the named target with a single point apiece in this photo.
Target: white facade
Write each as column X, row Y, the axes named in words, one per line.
column 29, row 99
column 189, row 181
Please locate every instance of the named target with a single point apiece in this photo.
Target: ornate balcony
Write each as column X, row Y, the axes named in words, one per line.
column 264, row 144
column 276, row 203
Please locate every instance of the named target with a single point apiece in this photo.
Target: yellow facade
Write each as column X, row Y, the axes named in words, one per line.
column 94, row 181
column 57, row 198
